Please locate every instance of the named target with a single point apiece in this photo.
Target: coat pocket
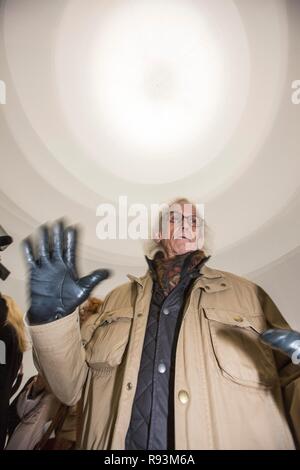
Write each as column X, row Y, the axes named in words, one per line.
column 106, row 347
column 238, row 351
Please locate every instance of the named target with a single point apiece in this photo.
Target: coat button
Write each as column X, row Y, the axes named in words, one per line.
column 162, row 368
column 223, row 284
column 207, row 287
column 166, row 311
column 238, row 319
column 183, row 396
column 129, row 386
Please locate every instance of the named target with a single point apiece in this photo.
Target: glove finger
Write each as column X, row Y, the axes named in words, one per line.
column 58, row 236
column 44, row 244
column 89, row 282
column 286, row 341
column 70, row 249
column 28, row 253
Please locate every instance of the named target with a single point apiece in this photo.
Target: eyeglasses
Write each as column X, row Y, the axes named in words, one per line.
column 178, row 218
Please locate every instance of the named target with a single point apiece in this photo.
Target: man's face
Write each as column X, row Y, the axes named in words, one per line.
column 185, row 230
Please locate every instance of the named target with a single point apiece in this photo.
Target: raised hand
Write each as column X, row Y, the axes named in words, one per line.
column 55, row 288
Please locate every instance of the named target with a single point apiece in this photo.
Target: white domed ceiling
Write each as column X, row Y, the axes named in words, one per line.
column 152, row 100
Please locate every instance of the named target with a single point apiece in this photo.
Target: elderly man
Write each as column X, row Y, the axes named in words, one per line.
column 174, row 359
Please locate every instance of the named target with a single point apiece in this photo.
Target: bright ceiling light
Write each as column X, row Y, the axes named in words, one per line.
column 157, row 73
column 151, row 82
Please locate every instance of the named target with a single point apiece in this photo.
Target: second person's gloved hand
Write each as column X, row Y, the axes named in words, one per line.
column 286, row 341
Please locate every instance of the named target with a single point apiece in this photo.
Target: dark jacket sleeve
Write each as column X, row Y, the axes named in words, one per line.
column 10, row 361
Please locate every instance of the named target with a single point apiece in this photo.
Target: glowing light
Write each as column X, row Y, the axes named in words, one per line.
column 151, row 83
column 157, row 76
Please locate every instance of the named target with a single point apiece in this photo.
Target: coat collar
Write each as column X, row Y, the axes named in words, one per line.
column 210, row 273
column 212, row 280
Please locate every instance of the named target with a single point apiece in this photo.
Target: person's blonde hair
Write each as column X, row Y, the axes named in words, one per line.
column 152, row 246
column 90, row 307
column 93, row 305
column 15, row 319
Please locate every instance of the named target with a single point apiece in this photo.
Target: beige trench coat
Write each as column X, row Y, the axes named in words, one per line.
column 231, row 391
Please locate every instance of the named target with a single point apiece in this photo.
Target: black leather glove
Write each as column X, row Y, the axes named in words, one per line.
column 286, row 341
column 55, row 289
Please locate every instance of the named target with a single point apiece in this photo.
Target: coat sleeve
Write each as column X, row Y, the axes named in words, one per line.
column 289, row 373
column 60, row 357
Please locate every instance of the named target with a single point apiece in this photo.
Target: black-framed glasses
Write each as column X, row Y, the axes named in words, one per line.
column 193, row 220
